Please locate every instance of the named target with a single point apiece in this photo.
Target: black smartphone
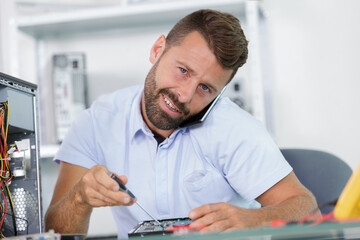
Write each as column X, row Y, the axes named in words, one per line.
column 201, row 116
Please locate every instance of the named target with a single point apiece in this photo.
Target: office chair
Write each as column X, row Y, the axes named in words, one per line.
column 324, row 174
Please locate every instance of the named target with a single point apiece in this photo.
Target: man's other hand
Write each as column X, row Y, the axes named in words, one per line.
column 288, row 200
column 220, row 217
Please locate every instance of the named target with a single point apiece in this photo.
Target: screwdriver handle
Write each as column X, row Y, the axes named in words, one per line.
column 123, row 188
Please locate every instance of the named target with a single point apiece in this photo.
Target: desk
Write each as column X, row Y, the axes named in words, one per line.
column 327, row 230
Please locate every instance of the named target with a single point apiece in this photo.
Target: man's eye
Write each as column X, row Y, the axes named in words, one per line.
column 183, row 70
column 204, row 87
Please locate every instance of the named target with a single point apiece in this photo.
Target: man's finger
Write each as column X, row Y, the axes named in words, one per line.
column 109, row 188
column 122, row 178
column 202, row 210
column 102, row 177
column 209, row 219
column 117, row 197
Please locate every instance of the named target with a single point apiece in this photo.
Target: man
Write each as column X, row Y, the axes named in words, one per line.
column 198, row 170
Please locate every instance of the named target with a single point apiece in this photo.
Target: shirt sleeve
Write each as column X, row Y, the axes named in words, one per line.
column 79, row 146
column 244, row 152
column 255, row 167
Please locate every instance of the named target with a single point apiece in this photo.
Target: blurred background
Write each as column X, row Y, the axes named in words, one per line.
column 302, row 78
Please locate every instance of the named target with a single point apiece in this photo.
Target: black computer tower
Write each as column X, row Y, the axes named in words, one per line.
column 20, row 196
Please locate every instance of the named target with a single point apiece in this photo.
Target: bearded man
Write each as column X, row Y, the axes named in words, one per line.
column 151, row 138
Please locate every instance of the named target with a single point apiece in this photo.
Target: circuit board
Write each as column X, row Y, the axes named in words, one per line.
column 152, row 228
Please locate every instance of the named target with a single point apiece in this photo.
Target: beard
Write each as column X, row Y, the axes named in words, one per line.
column 158, row 117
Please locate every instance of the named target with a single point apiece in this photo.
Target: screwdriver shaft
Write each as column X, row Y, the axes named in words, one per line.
column 123, row 188
column 149, row 214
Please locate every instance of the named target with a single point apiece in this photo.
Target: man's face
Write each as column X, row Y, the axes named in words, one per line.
column 183, row 80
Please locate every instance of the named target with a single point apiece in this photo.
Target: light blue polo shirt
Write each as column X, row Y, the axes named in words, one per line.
column 229, row 156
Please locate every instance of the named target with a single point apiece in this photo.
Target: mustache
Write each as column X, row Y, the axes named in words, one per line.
column 181, row 106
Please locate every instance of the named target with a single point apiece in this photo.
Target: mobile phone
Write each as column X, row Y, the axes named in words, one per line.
column 201, row 116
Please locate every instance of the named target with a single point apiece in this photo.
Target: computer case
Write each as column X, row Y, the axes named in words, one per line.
column 20, row 196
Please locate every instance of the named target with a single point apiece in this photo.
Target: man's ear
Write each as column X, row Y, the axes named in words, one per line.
column 157, row 49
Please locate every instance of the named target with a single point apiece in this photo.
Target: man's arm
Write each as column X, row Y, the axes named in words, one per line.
column 77, row 191
column 288, row 200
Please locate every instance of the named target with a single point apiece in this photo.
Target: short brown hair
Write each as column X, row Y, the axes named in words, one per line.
column 222, row 31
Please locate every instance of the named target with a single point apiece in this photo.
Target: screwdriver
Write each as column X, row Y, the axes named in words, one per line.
column 123, row 188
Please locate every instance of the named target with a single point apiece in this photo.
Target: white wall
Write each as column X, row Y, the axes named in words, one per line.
column 26, row 60
column 316, row 54
column 8, row 35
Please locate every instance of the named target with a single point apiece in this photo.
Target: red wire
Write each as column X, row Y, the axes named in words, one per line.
column 2, row 161
column 9, row 180
column 5, row 210
column 314, row 219
column 2, row 151
column 3, row 148
column 318, row 218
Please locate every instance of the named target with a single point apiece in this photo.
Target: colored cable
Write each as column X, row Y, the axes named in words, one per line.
column 12, row 208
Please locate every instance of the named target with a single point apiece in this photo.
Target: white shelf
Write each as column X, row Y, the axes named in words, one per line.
column 122, row 16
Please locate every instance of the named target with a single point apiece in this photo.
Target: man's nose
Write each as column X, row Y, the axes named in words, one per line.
column 186, row 91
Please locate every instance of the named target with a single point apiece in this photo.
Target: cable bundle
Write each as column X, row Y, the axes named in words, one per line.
column 5, row 173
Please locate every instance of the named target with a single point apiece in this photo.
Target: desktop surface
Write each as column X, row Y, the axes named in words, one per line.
column 325, row 230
